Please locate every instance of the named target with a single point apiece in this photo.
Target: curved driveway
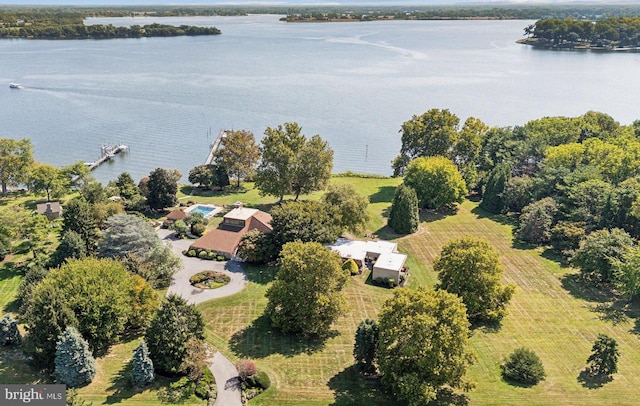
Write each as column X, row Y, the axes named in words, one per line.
column 223, row 370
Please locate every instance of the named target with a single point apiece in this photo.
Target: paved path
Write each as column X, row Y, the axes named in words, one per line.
column 223, row 370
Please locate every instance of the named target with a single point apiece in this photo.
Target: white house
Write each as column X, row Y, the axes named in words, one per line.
column 387, row 262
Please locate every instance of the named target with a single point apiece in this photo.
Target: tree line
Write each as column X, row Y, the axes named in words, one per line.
column 608, row 33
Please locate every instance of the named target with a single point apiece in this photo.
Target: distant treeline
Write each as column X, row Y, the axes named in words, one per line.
column 608, row 34
column 57, row 24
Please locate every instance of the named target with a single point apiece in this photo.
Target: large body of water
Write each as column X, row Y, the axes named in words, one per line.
column 352, row 83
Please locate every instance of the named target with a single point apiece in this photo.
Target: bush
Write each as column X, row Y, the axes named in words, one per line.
column 9, row 333
column 392, row 282
column 351, row 266
column 523, row 366
column 245, row 369
column 203, row 387
column 262, row 380
column 178, row 391
column 198, row 229
column 379, row 280
column 220, row 258
column 209, row 279
column 191, row 253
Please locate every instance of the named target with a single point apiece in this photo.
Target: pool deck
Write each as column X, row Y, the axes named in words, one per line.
column 215, row 209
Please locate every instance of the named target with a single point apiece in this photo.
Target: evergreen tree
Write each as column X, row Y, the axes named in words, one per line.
column 142, row 366
column 404, row 217
column 365, row 348
column 524, row 366
column 174, row 324
column 9, row 333
column 71, row 246
column 493, row 199
column 74, row 364
column 79, row 217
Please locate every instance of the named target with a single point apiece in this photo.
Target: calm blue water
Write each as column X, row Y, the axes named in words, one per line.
column 353, row 83
column 202, row 209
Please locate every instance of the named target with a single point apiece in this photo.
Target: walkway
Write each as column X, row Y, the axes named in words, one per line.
column 223, row 370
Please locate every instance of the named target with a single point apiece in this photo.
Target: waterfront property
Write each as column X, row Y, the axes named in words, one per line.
column 225, row 239
column 381, row 256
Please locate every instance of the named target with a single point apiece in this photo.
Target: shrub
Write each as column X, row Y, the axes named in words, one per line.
column 262, row 380
column 9, row 333
column 203, row 255
column 203, row 388
column 379, row 280
column 178, row 391
column 142, row 366
column 191, row 253
column 351, row 266
column 198, row 229
column 523, row 366
column 392, row 282
column 245, row 369
column 220, row 258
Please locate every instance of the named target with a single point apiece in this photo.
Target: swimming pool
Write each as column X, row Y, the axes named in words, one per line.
column 207, row 210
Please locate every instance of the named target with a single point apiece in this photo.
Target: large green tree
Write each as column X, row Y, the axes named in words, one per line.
column 365, row 349
column 306, row 296
column 599, row 250
column 347, row 206
column 45, row 178
column 291, row 163
column 404, row 215
column 306, row 221
column 627, row 272
column 238, row 154
column 174, row 324
column 162, row 187
column 437, row 182
column 470, row 268
column 493, row 199
column 16, row 158
column 79, row 218
column 433, row 133
column 536, row 221
column 603, row 360
column 209, row 176
column 424, row 344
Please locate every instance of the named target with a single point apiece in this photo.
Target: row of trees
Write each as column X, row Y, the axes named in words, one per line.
column 610, row 32
column 285, row 163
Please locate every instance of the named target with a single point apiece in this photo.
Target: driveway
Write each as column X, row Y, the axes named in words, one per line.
column 223, row 370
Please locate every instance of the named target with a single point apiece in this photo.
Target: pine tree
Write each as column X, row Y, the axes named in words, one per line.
column 493, row 199
column 604, row 356
column 365, row 348
column 404, row 217
column 9, row 333
column 142, row 372
column 75, row 365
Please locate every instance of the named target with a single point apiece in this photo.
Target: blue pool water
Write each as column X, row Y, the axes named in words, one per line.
column 202, row 209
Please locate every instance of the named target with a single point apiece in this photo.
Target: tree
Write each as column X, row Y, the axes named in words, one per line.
column 626, row 272
column 536, row 221
column 306, row 221
column 424, row 340
column 518, row 193
column 291, row 163
column 238, row 154
column 493, row 199
column 128, row 235
column 603, row 360
column 34, row 275
column 433, row 133
column 48, row 179
column 599, row 250
column 524, row 366
column 47, row 316
column 209, row 176
column 79, row 174
column 365, row 349
column 79, row 218
column 470, row 268
column 141, row 366
column 436, row 181
column 9, row 333
column 16, row 159
column 347, row 206
column 246, row 369
column 257, row 247
column 404, row 215
column 126, row 186
column 71, row 246
column 306, row 297
column 75, row 365
column 174, row 324
column 162, row 188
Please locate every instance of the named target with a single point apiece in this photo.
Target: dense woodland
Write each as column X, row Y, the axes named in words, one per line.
column 53, row 24
column 606, row 34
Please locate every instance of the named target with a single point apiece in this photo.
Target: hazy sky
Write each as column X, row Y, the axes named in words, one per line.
column 297, row 2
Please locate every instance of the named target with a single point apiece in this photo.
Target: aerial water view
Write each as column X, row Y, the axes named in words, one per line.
column 296, row 203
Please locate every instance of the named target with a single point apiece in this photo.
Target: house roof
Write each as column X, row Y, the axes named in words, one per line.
column 391, row 261
column 53, row 207
column 226, row 238
column 241, row 213
column 177, row 214
column 358, row 250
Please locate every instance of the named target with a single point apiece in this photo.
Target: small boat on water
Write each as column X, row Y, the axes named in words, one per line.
column 15, row 85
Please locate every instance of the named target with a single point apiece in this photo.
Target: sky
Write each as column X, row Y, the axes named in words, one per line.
column 301, row 2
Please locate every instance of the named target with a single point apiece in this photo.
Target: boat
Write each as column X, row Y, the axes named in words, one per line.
column 15, row 85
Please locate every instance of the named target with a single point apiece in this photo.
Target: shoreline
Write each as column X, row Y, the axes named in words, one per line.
column 571, row 47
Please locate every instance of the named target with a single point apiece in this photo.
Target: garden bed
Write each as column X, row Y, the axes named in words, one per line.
column 209, row 279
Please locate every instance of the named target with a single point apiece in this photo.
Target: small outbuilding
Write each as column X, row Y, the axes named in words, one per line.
column 174, row 216
column 382, row 256
column 53, row 210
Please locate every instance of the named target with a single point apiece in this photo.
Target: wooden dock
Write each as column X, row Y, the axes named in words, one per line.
column 214, row 146
column 107, row 152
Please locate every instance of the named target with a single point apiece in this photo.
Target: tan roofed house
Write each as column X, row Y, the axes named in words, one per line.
column 225, row 239
column 53, row 210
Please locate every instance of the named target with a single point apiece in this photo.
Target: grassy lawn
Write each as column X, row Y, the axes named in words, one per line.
column 552, row 313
